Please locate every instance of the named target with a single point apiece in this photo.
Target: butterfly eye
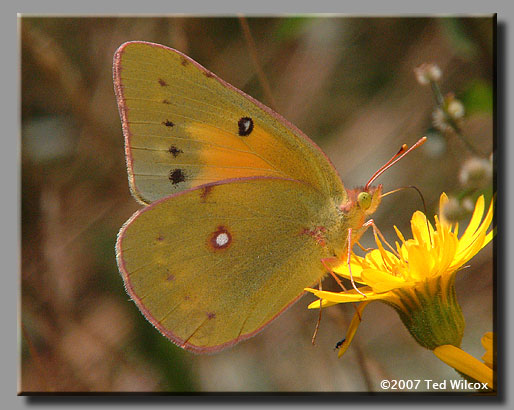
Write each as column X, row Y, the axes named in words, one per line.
column 364, row 200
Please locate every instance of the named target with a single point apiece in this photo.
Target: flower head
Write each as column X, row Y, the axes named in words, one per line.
column 418, row 279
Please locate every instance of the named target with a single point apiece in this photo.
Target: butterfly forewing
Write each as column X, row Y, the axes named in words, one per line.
column 185, row 127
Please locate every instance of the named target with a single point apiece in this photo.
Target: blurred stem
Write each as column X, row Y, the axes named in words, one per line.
column 439, row 99
column 440, row 103
column 362, row 364
column 43, row 377
column 258, row 68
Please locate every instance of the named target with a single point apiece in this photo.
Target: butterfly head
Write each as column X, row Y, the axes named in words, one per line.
column 362, row 202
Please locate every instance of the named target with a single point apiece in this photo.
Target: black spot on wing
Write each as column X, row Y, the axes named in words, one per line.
column 168, row 123
column 165, row 102
column 174, row 151
column 245, row 126
column 176, row 176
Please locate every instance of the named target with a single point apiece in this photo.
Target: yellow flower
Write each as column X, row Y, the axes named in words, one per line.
column 467, row 365
column 418, row 281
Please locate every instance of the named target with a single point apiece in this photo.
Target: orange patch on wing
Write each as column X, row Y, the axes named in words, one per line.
column 210, row 134
column 225, row 155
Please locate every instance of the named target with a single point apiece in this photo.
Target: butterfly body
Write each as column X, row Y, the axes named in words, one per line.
column 241, row 206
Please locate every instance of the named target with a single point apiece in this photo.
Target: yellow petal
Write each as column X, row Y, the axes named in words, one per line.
column 465, row 363
column 487, row 342
column 324, row 303
column 341, row 268
column 375, row 260
column 486, row 223
column 400, row 235
column 420, row 263
column 476, row 218
column 489, row 237
column 471, row 236
column 446, row 255
column 382, row 281
column 388, row 259
column 349, row 296
column 443, row 200
column 422, row 229
column 356, row 321
column 467, row 253
column 456, row 230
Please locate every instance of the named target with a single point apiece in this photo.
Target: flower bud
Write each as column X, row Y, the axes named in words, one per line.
column 475, row 172
column 440, row 120
column 427, row 72
column 455, row 109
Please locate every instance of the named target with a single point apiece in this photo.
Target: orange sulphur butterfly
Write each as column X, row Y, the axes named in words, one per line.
column 242, row 207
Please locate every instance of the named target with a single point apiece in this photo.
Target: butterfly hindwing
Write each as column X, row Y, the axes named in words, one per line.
column 212, row 265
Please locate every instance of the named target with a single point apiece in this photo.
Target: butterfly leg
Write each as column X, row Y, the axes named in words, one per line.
column 324, row 262
column 349, row 242
column 329, row 269
column 319, row 317
column 376, row 232
column 363, row 248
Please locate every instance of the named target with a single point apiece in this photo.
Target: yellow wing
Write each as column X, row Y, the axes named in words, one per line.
column 211, row 266
column 185, row 127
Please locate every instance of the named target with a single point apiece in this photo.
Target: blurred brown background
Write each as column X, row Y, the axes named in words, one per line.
column 348, row 83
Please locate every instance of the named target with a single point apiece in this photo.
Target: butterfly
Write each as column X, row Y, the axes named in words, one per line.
column 241, row 208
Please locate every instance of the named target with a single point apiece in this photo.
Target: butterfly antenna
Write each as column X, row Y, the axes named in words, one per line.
column 396, row 157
